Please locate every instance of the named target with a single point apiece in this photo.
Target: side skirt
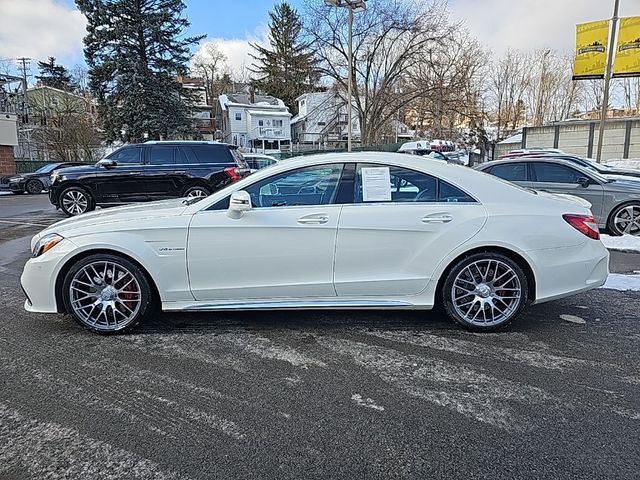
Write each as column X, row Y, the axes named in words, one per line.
column 288, row 304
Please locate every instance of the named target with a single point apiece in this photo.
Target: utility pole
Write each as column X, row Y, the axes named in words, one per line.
column 349, row 104
column 25, row 63
column 607, row 77
column 24, row 136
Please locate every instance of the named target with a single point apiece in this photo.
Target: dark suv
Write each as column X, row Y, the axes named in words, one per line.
column 146, row 172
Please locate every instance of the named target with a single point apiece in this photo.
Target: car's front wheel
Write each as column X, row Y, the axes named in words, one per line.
column 485, row 291
column 625, row 220
column 34, row 186
column 107, row 293
column 75, row 201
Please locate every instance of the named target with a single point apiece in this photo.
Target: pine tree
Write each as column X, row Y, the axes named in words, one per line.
column 54, row 75
column 288, row 68
column 135, row 50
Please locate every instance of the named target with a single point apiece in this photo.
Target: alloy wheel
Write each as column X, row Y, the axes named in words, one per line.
column 197, row 193
column 75, row 202
column 627, row 220
column 486, row 292
column 105, row 296
column 34, row 186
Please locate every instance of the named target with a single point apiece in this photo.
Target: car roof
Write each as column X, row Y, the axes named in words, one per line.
column 544, row 159
column 484, row 187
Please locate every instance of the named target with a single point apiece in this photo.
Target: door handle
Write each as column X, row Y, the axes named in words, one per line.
column 179, row 172
column 437, row 218
column 315, row 219
column 135, row 173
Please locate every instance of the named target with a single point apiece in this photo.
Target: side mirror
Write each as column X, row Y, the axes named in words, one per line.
column 107, row 163
column 584, row 182
column 239, row 203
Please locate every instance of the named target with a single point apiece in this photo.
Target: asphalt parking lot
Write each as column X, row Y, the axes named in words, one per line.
column 315, row 394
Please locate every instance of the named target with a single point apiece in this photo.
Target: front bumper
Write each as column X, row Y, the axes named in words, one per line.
column 17, row 186
column 54, row 194
column 39, row 277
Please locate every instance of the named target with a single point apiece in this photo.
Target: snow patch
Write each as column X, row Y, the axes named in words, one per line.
column 629, row 163
column 573, row 319
column 623, row 283
column 625, row 242
column 366, row 402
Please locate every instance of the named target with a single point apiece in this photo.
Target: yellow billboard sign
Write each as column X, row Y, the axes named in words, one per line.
column 627, row 61
column 591, row 50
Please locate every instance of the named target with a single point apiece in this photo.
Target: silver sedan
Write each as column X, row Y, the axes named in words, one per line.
column 614, row 203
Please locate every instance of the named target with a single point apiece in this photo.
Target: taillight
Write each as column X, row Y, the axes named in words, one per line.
column 233, row 173
column 583, row 223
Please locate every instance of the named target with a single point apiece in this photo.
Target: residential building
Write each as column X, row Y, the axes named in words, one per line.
column 256, row 123
column 203, row 108
column 322, row 120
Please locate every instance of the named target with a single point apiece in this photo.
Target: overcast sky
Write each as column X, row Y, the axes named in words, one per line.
column 42, row 28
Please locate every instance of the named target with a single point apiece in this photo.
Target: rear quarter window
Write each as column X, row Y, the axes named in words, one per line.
column 208, row 154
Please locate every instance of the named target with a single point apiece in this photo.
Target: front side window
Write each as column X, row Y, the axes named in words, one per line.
column 316, row 185
column 129, row 155
column 381, row 183
column 553, row 173
column 161, row 155
column 513, row 172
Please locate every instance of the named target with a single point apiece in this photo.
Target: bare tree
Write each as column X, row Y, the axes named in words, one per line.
column 210, row 63
column 388, row 39
column 631, row 93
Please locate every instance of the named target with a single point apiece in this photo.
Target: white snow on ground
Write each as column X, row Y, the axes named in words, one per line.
column 629, row 163
column 623, row 283
column 5, row 192
column 625, row 242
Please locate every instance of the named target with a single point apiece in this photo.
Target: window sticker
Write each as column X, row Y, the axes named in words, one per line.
column 376, row 184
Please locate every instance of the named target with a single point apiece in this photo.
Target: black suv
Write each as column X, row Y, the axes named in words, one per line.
column 146, row 172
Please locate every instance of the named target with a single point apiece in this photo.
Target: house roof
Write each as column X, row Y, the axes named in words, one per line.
column 269, row 113
column 517, row 138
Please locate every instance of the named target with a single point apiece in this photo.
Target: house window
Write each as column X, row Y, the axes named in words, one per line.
column 277, row 123
column 261, row 123
column 238, row 116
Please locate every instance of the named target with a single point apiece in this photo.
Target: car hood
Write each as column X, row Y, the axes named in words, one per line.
column 109, row 216
column 622, row 178
column 77, row 170
column 622, row 185
column 565, row 197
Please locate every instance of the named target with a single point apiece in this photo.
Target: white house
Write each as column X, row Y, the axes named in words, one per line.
column 259, row 124
column 322, row 119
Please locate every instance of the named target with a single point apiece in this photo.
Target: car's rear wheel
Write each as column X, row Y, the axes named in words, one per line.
column 75, row 201
column 485, row 291
column 625, row 220
column 198, row 192
column 34, row 186
column 107, row 294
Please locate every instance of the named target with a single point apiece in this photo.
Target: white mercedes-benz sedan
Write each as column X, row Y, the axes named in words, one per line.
column 348, row 230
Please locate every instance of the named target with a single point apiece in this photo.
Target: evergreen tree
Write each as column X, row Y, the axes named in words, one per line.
column 288, row 68
column 135, row 50
column 54, row 75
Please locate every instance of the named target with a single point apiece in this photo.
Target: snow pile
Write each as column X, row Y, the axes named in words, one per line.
column 623, row 283
column 625, row 242
column 633, row 163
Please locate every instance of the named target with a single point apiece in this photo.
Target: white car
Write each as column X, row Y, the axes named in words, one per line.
column 346, row 230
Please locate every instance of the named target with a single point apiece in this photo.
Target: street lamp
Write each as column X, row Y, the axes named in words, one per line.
column 352, row 6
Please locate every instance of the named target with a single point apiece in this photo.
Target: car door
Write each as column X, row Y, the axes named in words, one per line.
column 166, row 172
column 402, row 224
column 282, row 248
column 558, row 178
column 124, row 182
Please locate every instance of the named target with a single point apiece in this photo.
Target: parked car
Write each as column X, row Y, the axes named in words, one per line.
column 422, row 148
column 615, row 203
column 341, row 231
column 606, row 170
column 525, row 152
column 256, row 161
column 37, row 181
column 456, row 157
column 148, row 171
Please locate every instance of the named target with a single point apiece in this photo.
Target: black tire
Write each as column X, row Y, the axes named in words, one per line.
column 613, row 226
column 75, row 193
column 492, row 298
column 34, row 186
column 147, row 301
column 197, row 191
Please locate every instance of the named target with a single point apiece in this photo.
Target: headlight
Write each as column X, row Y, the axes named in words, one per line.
column 55, row 177
column 14, row 179
column 46, row 243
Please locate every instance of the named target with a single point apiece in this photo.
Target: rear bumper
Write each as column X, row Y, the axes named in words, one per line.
column 563, row 272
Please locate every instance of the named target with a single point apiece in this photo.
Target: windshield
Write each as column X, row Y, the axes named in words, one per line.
column 47, row 168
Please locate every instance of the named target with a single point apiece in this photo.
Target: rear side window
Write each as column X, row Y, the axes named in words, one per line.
column 207, row 154
column 161, row 155
column 513, row 172
column 127, row 155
